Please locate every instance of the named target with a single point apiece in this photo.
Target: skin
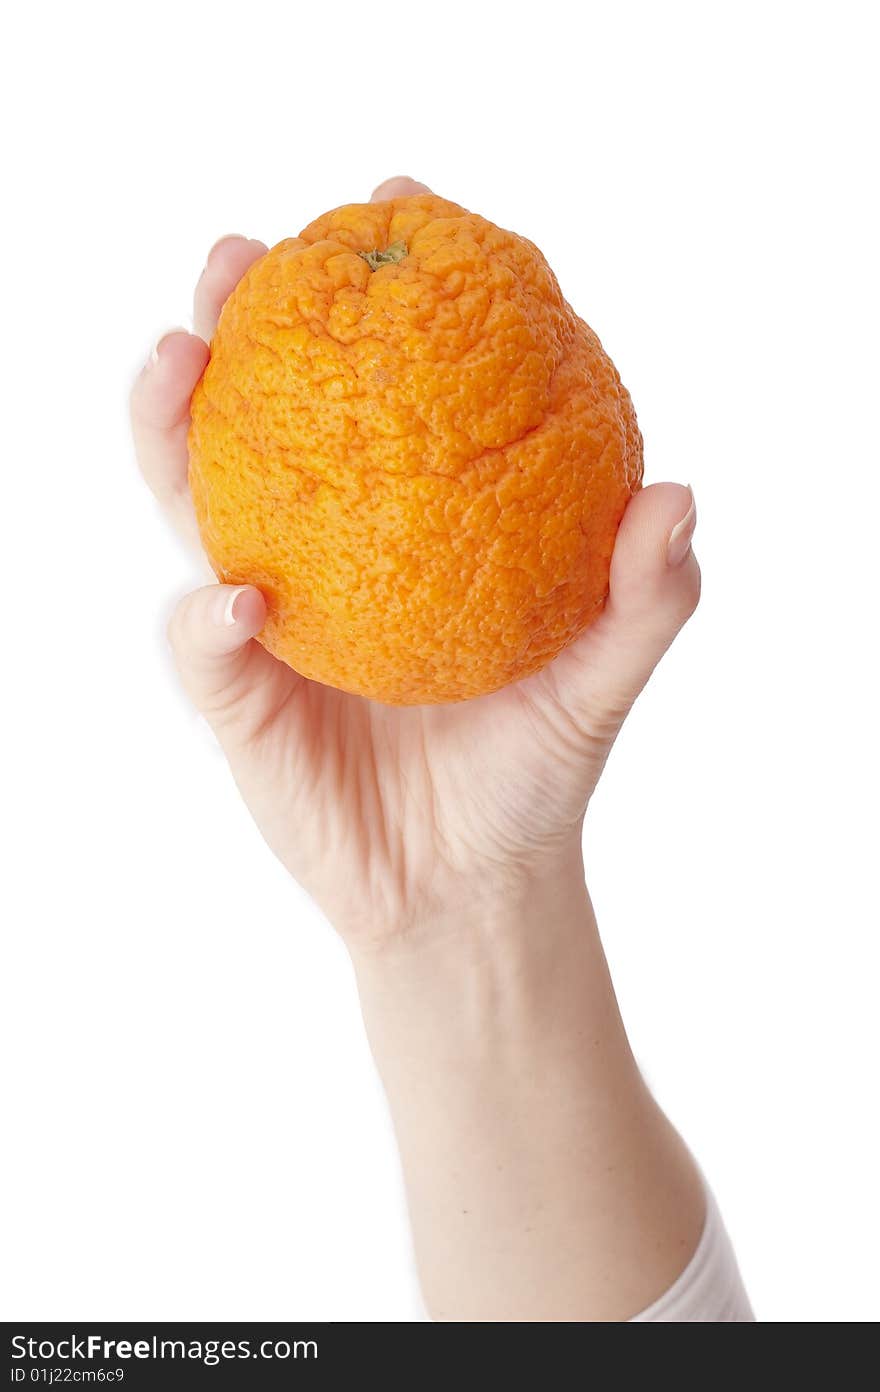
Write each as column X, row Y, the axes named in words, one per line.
column 444, row 844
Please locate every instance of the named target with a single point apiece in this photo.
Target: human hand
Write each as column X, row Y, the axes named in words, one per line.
column 443, row 842
column 399, row 818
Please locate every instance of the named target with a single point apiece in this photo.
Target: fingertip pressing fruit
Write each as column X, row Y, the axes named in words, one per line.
column 408, row 440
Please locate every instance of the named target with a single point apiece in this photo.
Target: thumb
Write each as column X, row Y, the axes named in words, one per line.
column 210, row 635
column 654, row 588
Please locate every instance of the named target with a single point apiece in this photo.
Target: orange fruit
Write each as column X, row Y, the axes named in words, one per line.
column 408, row 440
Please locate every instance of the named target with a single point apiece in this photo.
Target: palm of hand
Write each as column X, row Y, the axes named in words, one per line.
column 384, row 813
column 398, row 808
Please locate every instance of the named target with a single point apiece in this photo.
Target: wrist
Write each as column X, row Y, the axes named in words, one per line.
column 516, row 977
column 501, row 914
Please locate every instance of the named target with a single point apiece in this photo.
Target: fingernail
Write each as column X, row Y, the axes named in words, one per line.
column 389, row 187
column 157, row 346
column 227, row 237
column 228, row 606
column 682, row 534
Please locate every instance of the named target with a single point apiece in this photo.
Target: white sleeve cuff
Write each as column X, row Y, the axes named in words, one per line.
column 710, row 1289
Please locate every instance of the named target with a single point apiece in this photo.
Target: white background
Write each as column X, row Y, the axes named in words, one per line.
column 195, row 1127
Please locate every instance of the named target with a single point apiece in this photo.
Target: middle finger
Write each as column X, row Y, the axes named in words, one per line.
column 227, row 262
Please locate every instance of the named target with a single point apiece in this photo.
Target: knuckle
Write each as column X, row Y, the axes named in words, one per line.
column 691, row 588
column 175, row 629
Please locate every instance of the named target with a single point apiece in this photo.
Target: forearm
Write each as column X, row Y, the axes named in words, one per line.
column 544, row 1182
